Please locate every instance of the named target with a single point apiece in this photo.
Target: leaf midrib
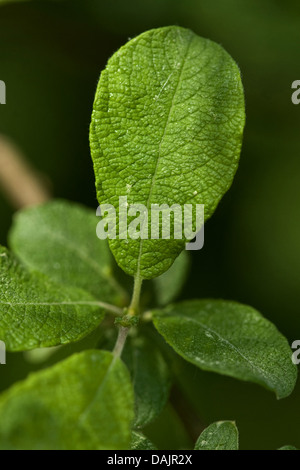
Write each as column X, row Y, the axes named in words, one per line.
column 100, row 386
column 79, row 302
column 159, row 155
column 264, row 373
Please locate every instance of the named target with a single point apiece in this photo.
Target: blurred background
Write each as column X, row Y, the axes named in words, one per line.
column 51, row 55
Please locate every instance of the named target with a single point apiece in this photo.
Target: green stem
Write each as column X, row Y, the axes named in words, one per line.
column 133, row 308
column 133, row 311
column 120, row 343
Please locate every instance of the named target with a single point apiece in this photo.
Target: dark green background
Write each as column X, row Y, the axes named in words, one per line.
column 51, row 54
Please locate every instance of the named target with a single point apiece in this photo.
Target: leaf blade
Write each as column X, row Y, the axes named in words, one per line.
column 35, row 312
column 141, row 442
column 150, row 377
column 288, row 447
column 72, row 416
column 230, row 339
column 59, row 239
column 222, row 435
column 157, row 95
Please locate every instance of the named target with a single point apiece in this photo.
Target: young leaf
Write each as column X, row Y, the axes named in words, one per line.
column 288, row 448
column 36, row 312
column 231, row 339
column 168, row 286
column 140, row 442
column 59, row 239
column 222, row 435
column 84, row 402
column 150, row 377
column 169, row 430
column 166, row 128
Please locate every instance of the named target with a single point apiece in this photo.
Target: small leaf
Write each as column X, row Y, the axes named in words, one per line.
column 59, row 239
column 166, row 128
column 140, row 442
column 222, row 435
column 288, row 448
column 84, row 402
column 36, row 312
column 231, row 339
column 150, row 377
column 168, row 286
column 169, row 430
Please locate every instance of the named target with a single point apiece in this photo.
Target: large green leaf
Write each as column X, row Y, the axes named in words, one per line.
column 59, row 239
column 222, row 435
column 231, row 339
column 166, row 128
column 84, row 402
column 150, row 377
column 36, row 312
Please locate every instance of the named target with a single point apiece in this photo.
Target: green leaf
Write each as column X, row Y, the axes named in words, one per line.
column 140, row 442
column 169, row 431
column 150, row 376
column 166, row 128
column 168, row 286
column 288, row 448
column 36, row 312
column 84, row 402
column 59, row 239
column 222, row 435
column 231, row 339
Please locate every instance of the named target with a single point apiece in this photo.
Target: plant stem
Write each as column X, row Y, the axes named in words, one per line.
column 133, row 308
column 123, row 332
